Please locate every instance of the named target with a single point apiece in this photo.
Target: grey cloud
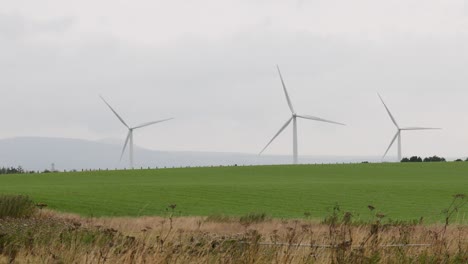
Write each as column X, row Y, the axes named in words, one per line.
column 15, row 26
column 225, row 92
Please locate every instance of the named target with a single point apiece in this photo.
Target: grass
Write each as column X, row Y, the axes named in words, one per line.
column 400, row 191
column 16, row 206
column 49, row 237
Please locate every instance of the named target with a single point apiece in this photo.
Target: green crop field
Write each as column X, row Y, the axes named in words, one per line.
column 400, row 191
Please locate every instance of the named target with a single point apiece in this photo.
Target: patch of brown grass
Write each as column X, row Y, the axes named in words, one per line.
column 51, row 237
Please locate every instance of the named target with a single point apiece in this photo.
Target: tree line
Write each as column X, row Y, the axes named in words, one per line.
column 12, row 170
column 427, row 159
column 19, row 170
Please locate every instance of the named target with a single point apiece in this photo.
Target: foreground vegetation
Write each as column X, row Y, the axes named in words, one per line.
column 403, row 191
column 50, row 237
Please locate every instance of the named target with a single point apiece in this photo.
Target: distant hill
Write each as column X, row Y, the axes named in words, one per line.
column 38, row 153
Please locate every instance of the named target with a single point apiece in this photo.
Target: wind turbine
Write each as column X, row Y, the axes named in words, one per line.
column 130, row 132
column 293, row 118
column 399, row 130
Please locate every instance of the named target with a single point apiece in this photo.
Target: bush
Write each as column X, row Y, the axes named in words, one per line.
column 415, row 159
column 16, row 206
column 428, row 159
column 434, row 159
column 412, row 159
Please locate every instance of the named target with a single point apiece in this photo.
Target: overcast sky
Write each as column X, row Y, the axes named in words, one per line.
column 211, row 65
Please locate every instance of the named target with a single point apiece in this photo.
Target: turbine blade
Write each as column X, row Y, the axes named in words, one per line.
column 285, row 91
column 120, row 118
column 152, row 123
column 277, row 134
column 421, row 128
column 319, row 119
column 125, row 144
column 388, row 111
column 391, row 143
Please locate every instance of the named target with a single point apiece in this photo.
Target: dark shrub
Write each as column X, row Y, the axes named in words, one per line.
column 434, row 159
column 415, row 159
column 412, row 159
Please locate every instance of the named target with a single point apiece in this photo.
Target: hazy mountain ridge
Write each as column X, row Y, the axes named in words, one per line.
column 38, row 153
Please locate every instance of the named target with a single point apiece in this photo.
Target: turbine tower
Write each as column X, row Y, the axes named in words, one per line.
column 293, row 118
column 129, row 138
column 399, row 130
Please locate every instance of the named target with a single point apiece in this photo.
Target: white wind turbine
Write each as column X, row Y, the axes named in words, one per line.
column 130, row 132
column 399, row 129
column 293, row 118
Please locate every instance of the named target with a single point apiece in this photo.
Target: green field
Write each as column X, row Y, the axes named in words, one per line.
column 400, row 191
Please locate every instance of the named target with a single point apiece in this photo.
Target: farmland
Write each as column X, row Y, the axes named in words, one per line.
column 399, row 191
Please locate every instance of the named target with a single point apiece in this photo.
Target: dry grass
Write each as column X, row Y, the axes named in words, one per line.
column 51, row 237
